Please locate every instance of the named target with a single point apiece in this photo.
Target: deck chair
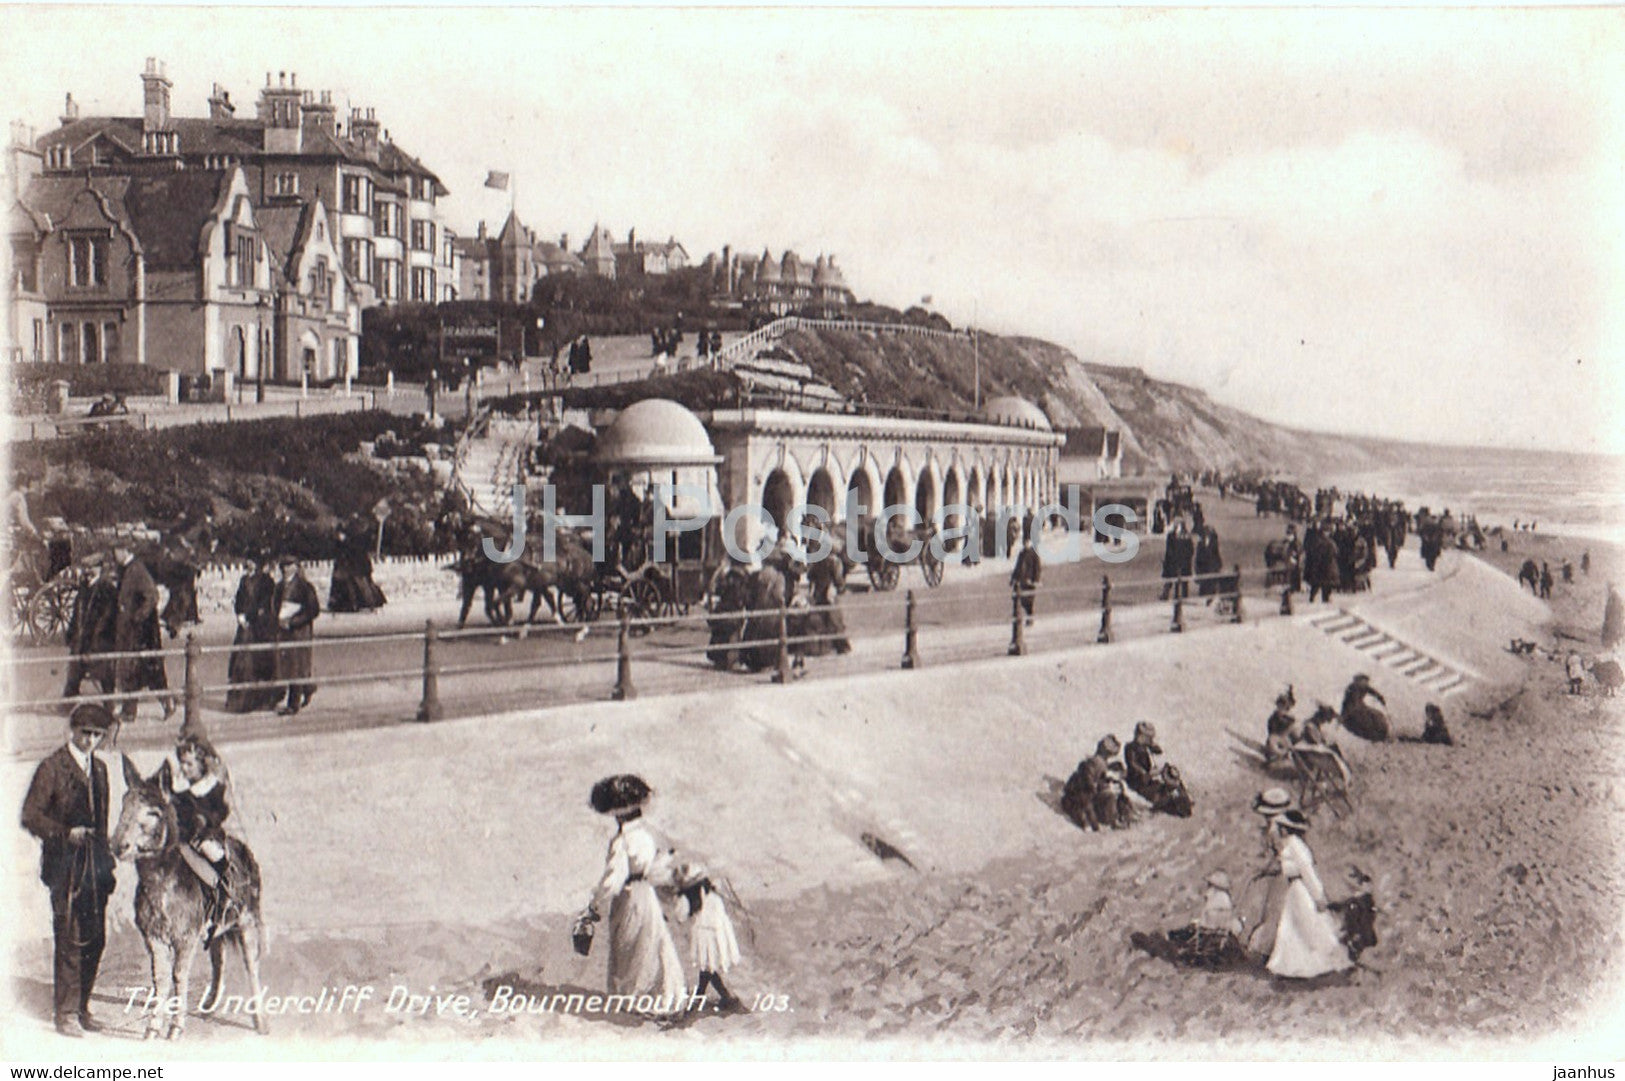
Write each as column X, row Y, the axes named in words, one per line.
column 1323, row 778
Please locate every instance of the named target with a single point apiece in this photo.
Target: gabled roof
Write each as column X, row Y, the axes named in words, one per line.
column 169, row 211
column 514, row 234
column 282, row 226
column 51, row 197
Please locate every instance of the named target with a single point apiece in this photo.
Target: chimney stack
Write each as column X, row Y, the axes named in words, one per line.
column 70, row 110
column 364, row 130
column 220, row 106
column 155, row 87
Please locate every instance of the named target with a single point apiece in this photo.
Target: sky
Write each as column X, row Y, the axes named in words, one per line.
column 1399, row 223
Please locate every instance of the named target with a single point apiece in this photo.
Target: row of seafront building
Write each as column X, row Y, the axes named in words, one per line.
column 252, row 244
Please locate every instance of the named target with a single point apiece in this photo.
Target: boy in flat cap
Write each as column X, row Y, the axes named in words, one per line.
column 66, row 808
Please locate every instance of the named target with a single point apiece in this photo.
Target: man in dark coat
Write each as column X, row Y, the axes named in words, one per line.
column 1178, row 553
column 296, row 606
column 91, row 631
column 136, row 629
column 1024, row 576
column 66, row 808
column 1613, row 619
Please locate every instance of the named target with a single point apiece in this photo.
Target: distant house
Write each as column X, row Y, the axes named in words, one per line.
column 507, row 267
column 1102, row 446
column 779, row 286
column 640, row 257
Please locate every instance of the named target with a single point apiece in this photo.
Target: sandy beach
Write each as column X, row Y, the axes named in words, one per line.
column 1494, row 864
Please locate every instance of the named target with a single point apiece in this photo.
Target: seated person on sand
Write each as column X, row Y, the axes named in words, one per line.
column 1212, row 940
column 1280, row 729
column 1434, row 731
column 1359, row 716
column 1078, row 798
column 1161, row 786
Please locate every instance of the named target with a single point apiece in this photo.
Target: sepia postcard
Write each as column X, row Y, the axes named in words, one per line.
column 730, row 533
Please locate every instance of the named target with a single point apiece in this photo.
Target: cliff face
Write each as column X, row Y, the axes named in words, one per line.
column 1165, row 425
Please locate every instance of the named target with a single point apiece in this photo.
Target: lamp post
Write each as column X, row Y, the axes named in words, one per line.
column 260, row 350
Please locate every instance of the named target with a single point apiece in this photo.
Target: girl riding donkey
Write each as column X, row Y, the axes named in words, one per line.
column 196, row 887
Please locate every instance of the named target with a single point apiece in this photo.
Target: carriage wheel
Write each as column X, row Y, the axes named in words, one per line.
column 644, row 601
column 931, row 567
column 884, row 578
column 49, row 611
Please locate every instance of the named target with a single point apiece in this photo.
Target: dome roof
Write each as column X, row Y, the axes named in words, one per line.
column 655, row 431
column 1017, row 411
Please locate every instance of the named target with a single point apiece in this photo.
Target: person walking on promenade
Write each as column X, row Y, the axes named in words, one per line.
column 1545, row 581
column 643, row 960
column 1025, row 575
column 296, row 608
column 136, row 629
column 1613, row 619
column 66, row 809
column 256, row 626
column 92, row 630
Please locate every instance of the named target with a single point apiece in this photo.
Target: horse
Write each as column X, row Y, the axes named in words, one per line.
column 171, row 902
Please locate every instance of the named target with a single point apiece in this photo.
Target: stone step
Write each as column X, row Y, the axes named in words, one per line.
column 1414, row 672
column 1367, row 636
column 1385, row 650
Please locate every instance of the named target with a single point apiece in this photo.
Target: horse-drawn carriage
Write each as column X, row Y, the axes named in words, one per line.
column 45, row 575
column 884, row 566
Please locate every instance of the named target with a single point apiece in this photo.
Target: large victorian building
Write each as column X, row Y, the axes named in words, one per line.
column 202, row 243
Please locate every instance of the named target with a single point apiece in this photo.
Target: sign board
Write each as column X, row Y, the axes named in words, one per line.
column 470, row 339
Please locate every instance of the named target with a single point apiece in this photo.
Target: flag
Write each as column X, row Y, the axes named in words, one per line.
column 494, row 179
column 926, row 299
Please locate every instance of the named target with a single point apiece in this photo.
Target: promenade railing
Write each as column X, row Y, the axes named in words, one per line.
column 771, row 639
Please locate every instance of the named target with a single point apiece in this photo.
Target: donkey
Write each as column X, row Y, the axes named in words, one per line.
column 170, row 902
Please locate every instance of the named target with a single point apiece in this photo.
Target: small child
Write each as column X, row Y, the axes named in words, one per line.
column 198, row 795
column 1576, row 671
column 1434, row 731
column 714, row 948
column 1218, row 911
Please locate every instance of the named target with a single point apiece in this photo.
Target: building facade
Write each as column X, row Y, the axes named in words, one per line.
column 180, row 271
column 382, row 202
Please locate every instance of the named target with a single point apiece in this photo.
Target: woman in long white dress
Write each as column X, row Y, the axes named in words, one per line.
column 643, row 960
column 1308, row 941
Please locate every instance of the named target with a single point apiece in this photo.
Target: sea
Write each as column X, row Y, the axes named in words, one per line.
column 1577, row 495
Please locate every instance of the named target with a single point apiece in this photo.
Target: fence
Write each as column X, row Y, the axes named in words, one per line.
column 643, row 642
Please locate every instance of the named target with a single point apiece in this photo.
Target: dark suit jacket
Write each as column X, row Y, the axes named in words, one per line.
column 58, row 800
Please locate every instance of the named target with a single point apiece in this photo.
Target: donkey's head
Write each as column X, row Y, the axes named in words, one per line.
column 146, row 822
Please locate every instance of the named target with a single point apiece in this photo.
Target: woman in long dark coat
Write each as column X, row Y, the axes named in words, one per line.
column 1208, row 561
column 353, row 589
column 256, row 625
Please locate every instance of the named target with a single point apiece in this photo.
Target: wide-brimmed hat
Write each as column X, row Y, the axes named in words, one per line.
column 1272, row 802
column 91, row 717
column 288, row 561
column 622, row 792
column 1146, row 729
column 1108, row 746
column 1361, row 677
column 1219, row 881
column 1293, row 821
column 691, row 873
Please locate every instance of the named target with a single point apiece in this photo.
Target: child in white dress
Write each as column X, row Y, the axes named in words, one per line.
column 713, row 946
